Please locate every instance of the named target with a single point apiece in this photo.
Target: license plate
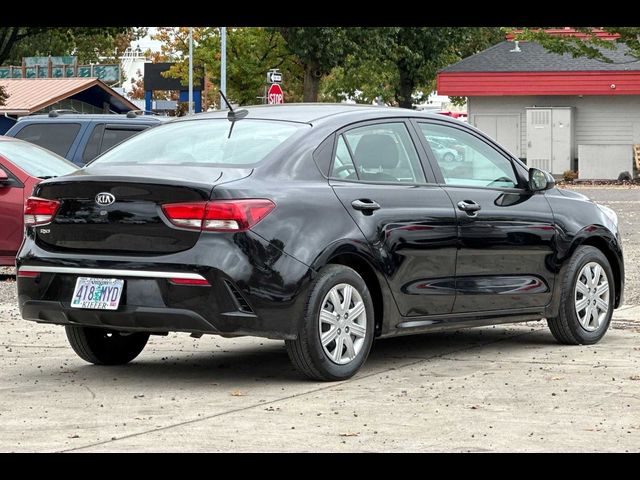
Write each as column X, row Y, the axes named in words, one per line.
column 97, row 293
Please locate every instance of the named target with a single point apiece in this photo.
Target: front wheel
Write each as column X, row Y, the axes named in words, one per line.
column 105, row 347
column 586, row 304
column 337, row 331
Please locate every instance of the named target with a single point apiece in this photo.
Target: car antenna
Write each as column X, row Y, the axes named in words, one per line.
column 234, row 115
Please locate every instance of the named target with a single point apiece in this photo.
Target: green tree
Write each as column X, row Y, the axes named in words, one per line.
column 399, row 64
column 251, row 51
column 318, row 51
column 589, row 44
column 89, row 44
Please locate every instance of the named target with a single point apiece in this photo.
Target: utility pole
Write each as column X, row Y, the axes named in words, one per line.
column 223, row 63
column 190, row 70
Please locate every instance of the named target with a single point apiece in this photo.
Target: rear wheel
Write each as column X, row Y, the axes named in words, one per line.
column 586, row 305
column 336, row 335
column 105, row 347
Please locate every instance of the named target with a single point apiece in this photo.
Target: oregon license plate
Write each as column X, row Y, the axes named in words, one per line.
column 97, row 293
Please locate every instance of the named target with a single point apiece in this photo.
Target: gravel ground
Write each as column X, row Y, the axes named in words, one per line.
column 625, row 200
column 7, row 285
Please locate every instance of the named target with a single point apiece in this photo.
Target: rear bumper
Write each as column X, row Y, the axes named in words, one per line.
column 245, row 296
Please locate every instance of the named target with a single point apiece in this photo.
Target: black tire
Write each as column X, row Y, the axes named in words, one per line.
column 306, row 351
column 566, row 327
column 105, row 347
column 449, row 157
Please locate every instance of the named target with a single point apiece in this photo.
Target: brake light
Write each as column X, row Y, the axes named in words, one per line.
column 219, row 215
column 39, row 211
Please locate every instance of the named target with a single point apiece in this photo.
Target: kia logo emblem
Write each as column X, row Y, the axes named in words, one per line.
column 105, row 198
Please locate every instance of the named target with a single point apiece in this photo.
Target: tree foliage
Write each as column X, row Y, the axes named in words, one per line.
column 399, row 65
column 250, row 53
column 395, row 65
column 3, row 96
column 318, row 51
column 589, row 44
column 89, row 44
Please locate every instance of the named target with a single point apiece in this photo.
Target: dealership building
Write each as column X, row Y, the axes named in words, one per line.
column 554, row 111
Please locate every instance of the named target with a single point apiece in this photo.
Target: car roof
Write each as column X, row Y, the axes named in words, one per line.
column 111, row 117
column 314, row 113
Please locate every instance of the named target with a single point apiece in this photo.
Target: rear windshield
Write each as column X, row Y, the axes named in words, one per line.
column 36, row 161
column 200, row 142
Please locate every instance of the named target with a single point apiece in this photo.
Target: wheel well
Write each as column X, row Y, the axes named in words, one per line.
column 368, row 274
column 602, row 245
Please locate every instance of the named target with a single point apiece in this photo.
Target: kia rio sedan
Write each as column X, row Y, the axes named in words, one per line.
column 325, row 226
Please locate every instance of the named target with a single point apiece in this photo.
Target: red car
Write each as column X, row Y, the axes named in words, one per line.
column 22, row 166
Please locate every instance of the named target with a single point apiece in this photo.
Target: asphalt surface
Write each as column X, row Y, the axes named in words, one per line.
column 502, row 388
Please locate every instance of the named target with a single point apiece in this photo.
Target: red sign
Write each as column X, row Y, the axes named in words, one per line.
column 275, row 95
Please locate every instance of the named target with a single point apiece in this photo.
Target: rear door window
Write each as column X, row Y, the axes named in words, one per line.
column 382, row 152
column 113, row 136
column 104, row 137
column 57, row 137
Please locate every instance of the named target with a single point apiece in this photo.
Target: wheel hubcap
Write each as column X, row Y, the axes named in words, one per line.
column 342, row 324
column 592, row 296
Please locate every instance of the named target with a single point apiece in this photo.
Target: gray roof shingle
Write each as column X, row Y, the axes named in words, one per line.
column 534, row 58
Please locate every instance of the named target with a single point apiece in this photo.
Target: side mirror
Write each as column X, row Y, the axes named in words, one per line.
column 540, row 180
column 4, row 178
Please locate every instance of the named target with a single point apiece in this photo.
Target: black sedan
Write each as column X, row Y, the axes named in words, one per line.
column 323, row 225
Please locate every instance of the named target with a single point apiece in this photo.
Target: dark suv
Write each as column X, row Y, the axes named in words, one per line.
column 80, row 137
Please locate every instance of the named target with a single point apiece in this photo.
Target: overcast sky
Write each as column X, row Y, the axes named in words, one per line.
column 146, row 42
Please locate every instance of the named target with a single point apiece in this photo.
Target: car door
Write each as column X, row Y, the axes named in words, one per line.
column 11, row 214
column 506, row 231
column 409, row 221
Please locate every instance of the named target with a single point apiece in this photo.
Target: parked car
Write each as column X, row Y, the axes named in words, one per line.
column 22, row 166
column 444, row 153
column 322, row 225
column 80, row 137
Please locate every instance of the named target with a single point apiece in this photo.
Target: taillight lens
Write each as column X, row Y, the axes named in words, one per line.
column 219, row 215
column 39, row 211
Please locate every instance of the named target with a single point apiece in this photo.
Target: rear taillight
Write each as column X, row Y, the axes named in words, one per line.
column 218, row 215
column 39, row 211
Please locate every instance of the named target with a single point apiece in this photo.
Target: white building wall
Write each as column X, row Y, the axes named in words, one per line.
column 599, row 120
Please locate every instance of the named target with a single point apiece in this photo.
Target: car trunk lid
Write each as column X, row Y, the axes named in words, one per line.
column 117, row 214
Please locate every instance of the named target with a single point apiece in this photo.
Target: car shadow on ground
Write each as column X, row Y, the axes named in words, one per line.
column 270, row 362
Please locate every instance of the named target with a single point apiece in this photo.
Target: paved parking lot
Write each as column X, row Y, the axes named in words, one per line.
column 488, row 389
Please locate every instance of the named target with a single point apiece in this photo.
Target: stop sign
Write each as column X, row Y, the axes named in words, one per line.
column 275, row 95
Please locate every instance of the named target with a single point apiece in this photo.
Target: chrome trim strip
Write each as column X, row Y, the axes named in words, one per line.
column 111, row 272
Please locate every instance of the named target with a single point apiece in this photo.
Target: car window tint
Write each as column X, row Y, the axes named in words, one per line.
column 56, row 137
column 93, row 145
column 466, row 160
column 112, row 137
column 343, row 166
column 385, row 153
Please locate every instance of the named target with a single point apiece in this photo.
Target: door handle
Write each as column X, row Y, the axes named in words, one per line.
column 469, row 206
column 365, row 205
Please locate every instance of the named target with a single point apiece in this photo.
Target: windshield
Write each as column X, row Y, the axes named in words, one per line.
column 34, row 160
column 199, row 142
